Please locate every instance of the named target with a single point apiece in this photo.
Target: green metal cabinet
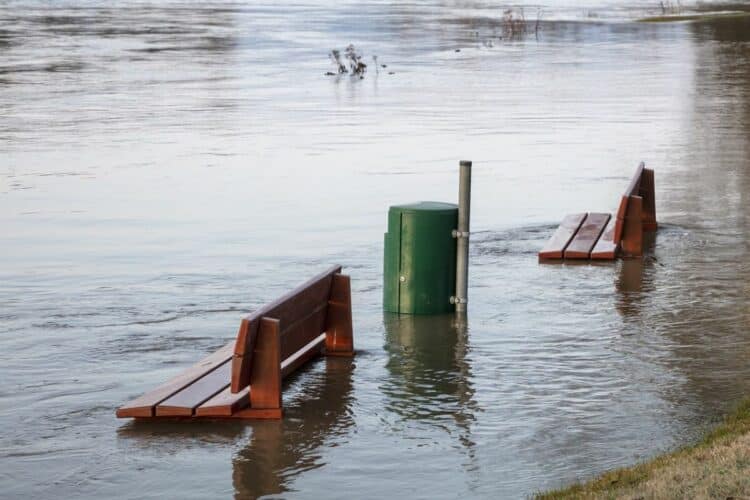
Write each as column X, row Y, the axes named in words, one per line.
column 419, row 267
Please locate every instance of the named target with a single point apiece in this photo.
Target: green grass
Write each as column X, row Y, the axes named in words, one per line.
column 717, row 466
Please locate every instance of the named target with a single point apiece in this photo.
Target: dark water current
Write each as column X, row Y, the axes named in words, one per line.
column 167, row 167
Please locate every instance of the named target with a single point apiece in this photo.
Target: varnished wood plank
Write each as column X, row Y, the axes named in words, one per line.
column 632, row 238
column 620, row 219
column 225, row 403
column 297, row 335
column 289, row 309
column 265, row 379
column 635, row 182
column 561, row 238
column 588, row 234
column 303, row 355
column 339, row 328
column 188, row 399
column 633, row 189
column 606, row 248
column 242, row 359
column 647, row 192
column 143, row 406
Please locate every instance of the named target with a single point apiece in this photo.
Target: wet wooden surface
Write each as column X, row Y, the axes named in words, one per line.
column 225, row 403
column 188, row 399
column 339, row 327
column 602, row 237
column 265, row 379
column 289, row 310
column 647, row 192
column 143, row 406
column 606, row 248
column 556, row 245
column 588, row 234
column 632, row 237
column 271, row 348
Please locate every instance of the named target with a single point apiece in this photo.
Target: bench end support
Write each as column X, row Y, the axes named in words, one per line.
column 265, row 378
column 339, row 330
column 649, row 200
column 632, row 237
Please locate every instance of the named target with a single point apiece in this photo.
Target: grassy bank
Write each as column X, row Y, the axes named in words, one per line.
column 716, row 467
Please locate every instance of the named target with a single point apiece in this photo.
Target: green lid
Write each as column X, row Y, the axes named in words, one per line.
column 425, row 206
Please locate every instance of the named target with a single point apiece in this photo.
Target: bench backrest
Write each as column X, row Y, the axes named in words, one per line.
column 300, row 317
column 637, row 202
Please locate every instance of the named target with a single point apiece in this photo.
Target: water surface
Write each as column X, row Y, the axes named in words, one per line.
column 167, row 167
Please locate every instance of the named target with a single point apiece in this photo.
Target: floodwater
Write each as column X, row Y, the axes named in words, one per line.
column 165, row 168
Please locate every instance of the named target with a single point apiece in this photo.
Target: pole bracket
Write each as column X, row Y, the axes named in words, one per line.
column 458, row 300
column 460, row 234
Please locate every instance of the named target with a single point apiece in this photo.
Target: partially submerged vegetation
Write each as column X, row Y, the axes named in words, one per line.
column 351, row 63
column 514, row 24
column 716, row 467
column 669, row 7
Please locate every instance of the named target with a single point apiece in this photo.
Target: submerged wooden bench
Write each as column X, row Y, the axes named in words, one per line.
column 243, row 378
column 599, row 236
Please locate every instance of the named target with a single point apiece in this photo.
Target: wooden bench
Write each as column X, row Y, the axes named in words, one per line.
column 598, row 236
column 243, row 378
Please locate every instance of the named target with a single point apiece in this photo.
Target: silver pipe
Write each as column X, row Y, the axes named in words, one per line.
column 462, row 244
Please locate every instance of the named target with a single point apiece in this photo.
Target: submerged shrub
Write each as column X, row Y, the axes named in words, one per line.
column 515, row 25
column 350, row 62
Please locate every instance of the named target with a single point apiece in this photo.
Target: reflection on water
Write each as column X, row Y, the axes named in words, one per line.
column 703, row 267
column 167, row 167
column 430, row 377
column 278, row 451
column 635, row 278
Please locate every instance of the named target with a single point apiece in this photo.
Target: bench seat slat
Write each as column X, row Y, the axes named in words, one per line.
column 226, row 403
column 143, row 406
column 184, row 402
column 587, row 236
column 606, row 248
column 561, row 238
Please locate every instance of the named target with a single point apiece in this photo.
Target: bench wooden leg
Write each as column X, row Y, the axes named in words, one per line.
column 265, row 378
column 339, row 330
column 632, row 238
column 649, row 201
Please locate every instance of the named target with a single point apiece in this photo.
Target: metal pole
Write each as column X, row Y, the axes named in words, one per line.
column 462, row 235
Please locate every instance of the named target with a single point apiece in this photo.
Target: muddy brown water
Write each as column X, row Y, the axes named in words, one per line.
column 165, row 168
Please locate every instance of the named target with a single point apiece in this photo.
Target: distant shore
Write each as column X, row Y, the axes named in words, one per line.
column 718, row 466
column 704, row 16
